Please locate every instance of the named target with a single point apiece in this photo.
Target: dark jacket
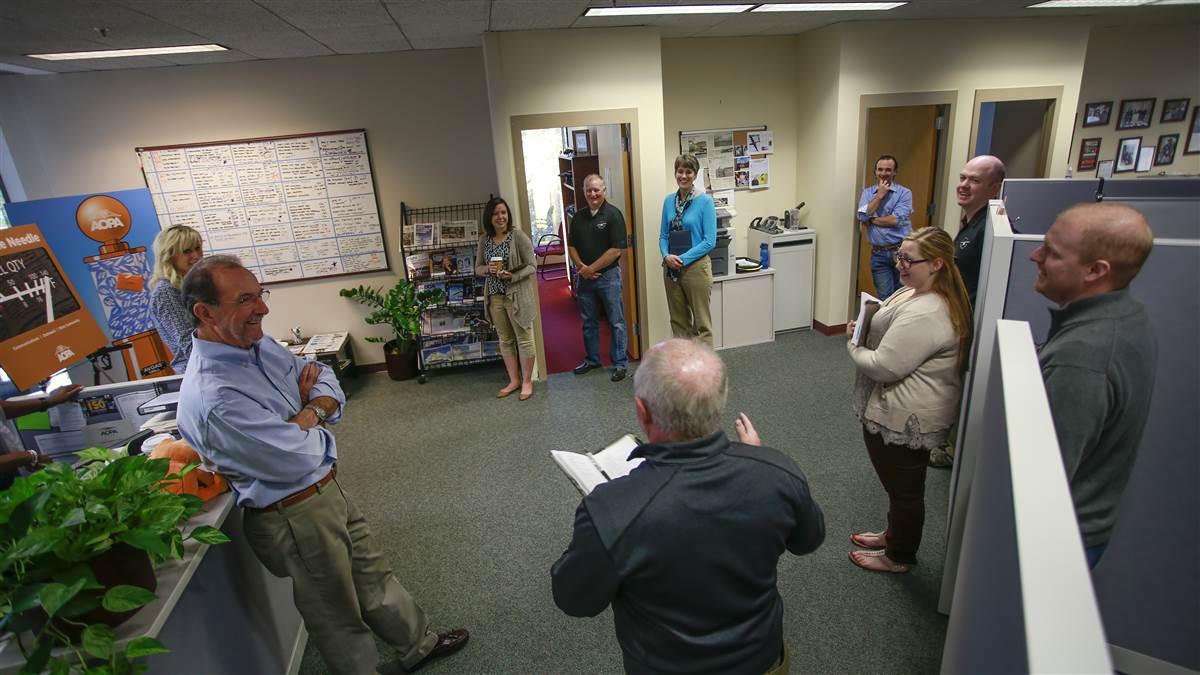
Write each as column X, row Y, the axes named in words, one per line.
column 685, row 549
column 1099, row 363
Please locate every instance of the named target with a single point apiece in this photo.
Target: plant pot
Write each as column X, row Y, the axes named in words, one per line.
column 120, row 565
column 401, row 359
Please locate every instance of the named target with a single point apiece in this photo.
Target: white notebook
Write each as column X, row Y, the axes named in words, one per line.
column 587, row 470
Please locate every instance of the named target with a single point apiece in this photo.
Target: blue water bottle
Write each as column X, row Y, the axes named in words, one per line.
column 764, row 255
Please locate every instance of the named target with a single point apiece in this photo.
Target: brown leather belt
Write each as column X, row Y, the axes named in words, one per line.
column 297, row 497
column 879, row 249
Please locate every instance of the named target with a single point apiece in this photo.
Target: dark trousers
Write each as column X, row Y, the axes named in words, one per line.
column 901, row 471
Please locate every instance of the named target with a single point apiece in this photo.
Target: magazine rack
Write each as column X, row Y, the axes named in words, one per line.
column 438, row 245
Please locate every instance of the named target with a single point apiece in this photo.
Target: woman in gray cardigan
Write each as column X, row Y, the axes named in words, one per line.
column 908, row 389
column 505, row 257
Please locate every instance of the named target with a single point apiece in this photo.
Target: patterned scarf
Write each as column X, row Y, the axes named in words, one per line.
column 677, row 224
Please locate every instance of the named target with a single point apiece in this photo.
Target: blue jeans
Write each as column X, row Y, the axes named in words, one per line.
column 590, row 294
column 884, row 273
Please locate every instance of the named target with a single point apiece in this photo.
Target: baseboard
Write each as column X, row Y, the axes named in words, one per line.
column 371, row 367
column 837, row 329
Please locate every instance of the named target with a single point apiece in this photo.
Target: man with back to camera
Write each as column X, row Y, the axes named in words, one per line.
column 979, row 181
column 596, row 241
column 1100, row 355
column 257, row 414
column 685, row 548
column 886, row 211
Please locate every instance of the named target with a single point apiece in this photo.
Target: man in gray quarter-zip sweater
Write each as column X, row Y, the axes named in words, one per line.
column 1099, row 358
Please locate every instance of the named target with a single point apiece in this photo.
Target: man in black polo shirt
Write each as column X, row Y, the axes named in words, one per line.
column 978, row 182
column 595, row 241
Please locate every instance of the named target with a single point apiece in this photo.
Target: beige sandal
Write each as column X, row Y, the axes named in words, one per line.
column 858, row 539
column 895, row 567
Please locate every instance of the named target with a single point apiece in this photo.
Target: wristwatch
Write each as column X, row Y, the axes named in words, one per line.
column 318, row 411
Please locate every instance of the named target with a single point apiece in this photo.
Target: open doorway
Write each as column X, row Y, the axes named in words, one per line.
column 1018, row 132
column 556, row 162
column 913, row 135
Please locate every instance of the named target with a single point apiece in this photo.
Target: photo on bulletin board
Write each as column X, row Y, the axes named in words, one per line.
column 581, row 142
column 1127, row 153
column 1193, row 138
column 1097, row 114
column 1089, row 154
column 1175, row 110
column 1136, row 113
column 1167, row 143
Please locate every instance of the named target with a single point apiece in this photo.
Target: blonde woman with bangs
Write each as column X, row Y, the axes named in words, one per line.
column 176, row 249
column 908, row 389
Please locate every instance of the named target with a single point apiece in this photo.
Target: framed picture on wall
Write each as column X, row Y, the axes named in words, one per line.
column 1097, row 114
column 1136, row 113
column 1127, row 153
column 1193, row 138
column 1167, row 143
column 1089, row 153
column 581, row 142
column 1175, row 109
column 1104, row 170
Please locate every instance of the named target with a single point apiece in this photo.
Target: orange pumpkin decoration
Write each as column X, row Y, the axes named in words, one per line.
column 203, row 484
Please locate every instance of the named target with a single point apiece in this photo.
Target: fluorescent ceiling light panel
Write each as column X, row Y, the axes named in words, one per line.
column 666, row 9
column 1059, row 4
column 829, row 6
column 119, row 53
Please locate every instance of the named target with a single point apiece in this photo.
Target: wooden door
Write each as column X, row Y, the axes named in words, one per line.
column 628, row 259
column 909, row 134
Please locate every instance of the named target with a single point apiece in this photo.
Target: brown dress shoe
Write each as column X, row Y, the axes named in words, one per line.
column 448, row 643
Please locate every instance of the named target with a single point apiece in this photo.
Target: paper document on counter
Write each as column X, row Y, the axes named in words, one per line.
column 867, row 306
column 587, row 470
column 325, row 342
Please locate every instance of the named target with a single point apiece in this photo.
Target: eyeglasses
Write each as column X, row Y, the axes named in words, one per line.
column 905, row 261
column 249, row 298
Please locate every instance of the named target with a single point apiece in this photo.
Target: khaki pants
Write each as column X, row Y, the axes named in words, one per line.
column 513, row 338
column 341, row 584
column 689, row 301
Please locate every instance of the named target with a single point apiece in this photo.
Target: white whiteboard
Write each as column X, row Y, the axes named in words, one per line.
column 290, row 207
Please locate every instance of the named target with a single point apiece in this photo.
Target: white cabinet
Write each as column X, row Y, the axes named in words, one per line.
column 743, row 309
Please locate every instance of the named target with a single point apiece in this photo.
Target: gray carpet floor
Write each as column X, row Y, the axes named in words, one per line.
column 460, row 491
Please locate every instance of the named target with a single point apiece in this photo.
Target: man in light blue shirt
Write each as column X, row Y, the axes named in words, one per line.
column 886, row 210
column 257, row 414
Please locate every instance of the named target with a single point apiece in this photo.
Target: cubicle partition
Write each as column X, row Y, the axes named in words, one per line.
column 1146, row 583
column 1023, row 602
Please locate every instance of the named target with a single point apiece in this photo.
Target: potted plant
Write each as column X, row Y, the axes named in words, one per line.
column 401, row 308
column 77, row 550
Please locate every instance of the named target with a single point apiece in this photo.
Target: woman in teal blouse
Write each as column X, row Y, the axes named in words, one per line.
column 688, row 233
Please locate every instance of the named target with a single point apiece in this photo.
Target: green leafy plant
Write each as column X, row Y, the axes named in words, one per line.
column 53, row 523
column 400, row 308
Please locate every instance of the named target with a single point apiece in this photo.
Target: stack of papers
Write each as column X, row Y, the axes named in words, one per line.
column 325, row 342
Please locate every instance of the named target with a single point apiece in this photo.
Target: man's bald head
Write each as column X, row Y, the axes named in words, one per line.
column 682, row 385
column 1091, row 249
column 1113, row 232
column 978, row 182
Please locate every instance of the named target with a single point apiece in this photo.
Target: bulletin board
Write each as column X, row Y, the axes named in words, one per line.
column 290, row 207
column 736, row 158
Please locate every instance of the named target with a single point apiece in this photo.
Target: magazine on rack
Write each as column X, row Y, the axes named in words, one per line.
column 587, row 470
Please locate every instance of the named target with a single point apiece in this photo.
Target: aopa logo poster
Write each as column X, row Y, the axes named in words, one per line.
column 105, row 242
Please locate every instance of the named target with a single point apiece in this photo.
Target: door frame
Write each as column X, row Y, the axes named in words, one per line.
column 584, row 118
column 1049, row 130
column 866, row 102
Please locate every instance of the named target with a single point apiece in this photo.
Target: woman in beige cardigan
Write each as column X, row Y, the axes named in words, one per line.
column 908, row 389
column 510, row 296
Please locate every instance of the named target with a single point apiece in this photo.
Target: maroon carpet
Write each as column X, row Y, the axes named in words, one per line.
column 562, row 329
